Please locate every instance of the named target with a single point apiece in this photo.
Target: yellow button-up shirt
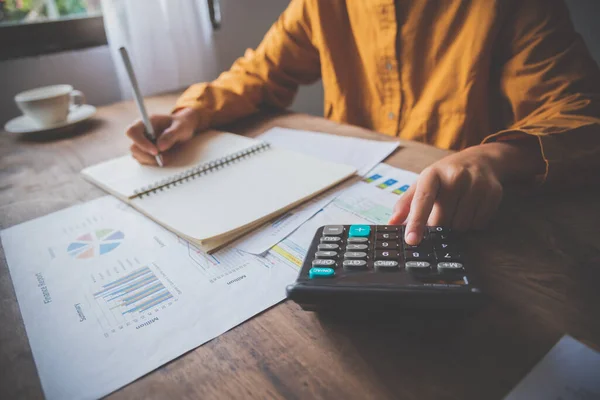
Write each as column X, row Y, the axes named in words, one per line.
column 451, row 73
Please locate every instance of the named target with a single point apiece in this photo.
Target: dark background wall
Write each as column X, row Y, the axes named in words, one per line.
column 586, row 17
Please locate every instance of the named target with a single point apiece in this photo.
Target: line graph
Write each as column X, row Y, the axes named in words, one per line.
column 218, row 265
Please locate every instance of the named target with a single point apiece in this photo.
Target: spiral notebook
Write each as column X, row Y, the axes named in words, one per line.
column 221, row 186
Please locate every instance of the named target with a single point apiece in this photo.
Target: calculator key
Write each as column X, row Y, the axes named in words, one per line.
column 387, row 236
column 333, row 230
column 386, row 265
column 448, row 256
column 355, row 264
column 324, row 263
column 439, row 229
column 358, row 240
column 319, row 272
column 389, row 228
column 442, row 245
column 330, row 239
column 417, row 266
column 386, row 255
column 450, row 267
column 440, row 237
column 359, row 231
column 355, row 247
column 416, row 256
column 326, row 254
column 328, row 246
column 355, row 254
column 422, row 247
column 386, row 245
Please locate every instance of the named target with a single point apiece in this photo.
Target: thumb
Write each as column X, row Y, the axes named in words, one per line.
column 170, row 136
column 402, row 207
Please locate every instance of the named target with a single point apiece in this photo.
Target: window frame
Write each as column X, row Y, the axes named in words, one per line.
column 20, row 40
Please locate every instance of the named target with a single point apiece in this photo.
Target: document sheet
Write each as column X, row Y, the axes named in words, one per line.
column 108, row 295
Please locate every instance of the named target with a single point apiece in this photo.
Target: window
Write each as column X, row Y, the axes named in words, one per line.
column 24, row 11
column 36, row 27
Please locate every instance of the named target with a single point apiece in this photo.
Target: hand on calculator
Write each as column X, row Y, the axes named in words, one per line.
column 463, row 191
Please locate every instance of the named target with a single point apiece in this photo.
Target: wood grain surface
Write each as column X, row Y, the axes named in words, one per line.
column 539, row 262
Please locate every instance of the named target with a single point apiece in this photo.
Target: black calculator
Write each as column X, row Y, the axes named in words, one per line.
column 371, row 267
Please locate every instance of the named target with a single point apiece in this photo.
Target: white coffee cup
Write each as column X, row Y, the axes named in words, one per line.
column 49, row 105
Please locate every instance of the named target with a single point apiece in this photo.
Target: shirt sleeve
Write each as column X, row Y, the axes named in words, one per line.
column 267, row 76
column 553, row 88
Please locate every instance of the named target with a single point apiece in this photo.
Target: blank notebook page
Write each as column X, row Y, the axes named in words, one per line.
column 240, row 194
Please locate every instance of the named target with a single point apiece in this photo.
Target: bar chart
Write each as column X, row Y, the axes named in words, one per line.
column 136, row 292
column 132, row 298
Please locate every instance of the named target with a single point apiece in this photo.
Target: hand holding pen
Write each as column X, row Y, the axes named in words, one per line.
column 154, row 135
column 149, row 129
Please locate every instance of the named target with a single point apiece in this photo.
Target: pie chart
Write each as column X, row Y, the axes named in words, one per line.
column 96, row 243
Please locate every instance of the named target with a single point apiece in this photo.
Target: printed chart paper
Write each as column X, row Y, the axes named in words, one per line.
column 108, row 295
column 370, row 202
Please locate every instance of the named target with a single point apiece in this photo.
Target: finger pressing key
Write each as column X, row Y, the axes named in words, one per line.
column 422, row 203
column 402, row 207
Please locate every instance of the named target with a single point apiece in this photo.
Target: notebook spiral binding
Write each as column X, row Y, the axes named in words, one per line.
column 201, row 169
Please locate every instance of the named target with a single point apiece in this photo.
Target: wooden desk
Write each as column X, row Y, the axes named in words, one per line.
column 539, row 262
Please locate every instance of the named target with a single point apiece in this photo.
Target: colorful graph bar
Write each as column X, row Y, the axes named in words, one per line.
column 372, row 178
column 401, row 189
column 137, row 291
column 387, row 183
column 287, row 255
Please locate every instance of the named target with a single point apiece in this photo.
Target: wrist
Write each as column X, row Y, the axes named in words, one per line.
column 516, row 161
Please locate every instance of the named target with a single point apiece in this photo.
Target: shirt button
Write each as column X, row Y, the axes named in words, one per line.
column 391, row 115
column 389, row 66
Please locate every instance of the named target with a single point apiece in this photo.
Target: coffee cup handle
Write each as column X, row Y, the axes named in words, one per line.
column 77, row 100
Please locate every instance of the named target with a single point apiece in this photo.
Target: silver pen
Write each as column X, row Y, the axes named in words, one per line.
column 140, row 101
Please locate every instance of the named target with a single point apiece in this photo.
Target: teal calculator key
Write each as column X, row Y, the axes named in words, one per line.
column 320, row 272
column 359, row 231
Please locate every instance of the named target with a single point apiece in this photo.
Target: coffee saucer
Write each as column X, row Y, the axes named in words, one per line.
column 25, row 124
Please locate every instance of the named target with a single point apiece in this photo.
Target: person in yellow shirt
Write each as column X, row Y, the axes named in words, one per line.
column 508, row 84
